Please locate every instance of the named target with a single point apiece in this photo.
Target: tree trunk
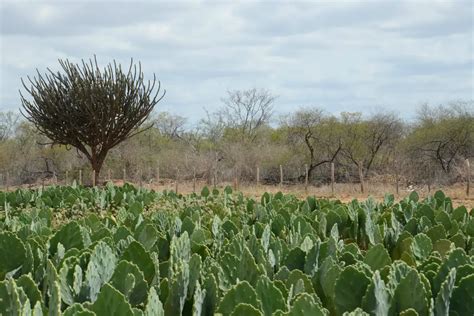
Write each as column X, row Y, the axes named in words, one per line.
column 311, row 167
column 361, row 177
column 96, row 164
column 281, row 176
column 306, row 178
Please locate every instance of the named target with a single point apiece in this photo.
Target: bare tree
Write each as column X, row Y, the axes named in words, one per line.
column 91, row 109
column 170, row 125
column 443, row 134
column 247, row 111
column 212, row 127
column 318, row 133
column 365, row 139
column 8, row 123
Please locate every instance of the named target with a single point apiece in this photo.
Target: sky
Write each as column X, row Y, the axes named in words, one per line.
column 356, row 56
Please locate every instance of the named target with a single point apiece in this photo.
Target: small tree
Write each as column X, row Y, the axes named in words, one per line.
column 91, row 109
column 8, row 122
column 247, row 111
column 366, row 139
column 319, row 134
column 170, row 125
column 443, row 135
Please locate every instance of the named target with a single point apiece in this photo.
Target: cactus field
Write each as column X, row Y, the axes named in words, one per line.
column 128, row 251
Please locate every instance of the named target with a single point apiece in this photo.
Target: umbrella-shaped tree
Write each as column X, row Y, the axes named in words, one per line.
column 90, row 108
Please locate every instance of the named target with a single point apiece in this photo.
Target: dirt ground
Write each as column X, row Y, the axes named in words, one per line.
column 344, row 192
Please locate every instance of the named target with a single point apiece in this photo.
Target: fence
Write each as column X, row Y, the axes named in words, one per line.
column 214, row 177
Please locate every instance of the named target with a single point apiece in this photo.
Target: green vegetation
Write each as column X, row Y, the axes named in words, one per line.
column 90, row 108
column 127, row 251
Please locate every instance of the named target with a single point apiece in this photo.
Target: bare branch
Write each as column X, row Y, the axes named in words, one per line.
column 90, row 108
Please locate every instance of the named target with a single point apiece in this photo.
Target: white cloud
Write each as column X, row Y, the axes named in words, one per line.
column 343, row 56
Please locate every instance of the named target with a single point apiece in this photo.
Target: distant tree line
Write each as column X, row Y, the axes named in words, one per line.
column 244, row 133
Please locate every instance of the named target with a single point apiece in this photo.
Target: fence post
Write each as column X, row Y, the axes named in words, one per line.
column 7, row 182
column 124, row 175
column 333, row 178
column 140, row 176
column 109, row 175
column 397, row 176
column 149, row 175
column 258, row 175
column 93, row 178
column 361, row 178
column 235, row 179
column 281, row 176
column 238, row 178
column 306, row 171
column 429, row 177
column 214, row 180
column 177, row 180
column 80, row 176
column 158, row 174
column 194, row 179
column 66, row 180
column 468, row 177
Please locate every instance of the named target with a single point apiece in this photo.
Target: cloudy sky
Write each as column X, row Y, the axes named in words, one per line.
column 337, row 55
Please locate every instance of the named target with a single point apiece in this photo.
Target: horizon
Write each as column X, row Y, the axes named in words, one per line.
column 340, row 57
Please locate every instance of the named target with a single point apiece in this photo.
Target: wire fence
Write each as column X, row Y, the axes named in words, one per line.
column 216, row 176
